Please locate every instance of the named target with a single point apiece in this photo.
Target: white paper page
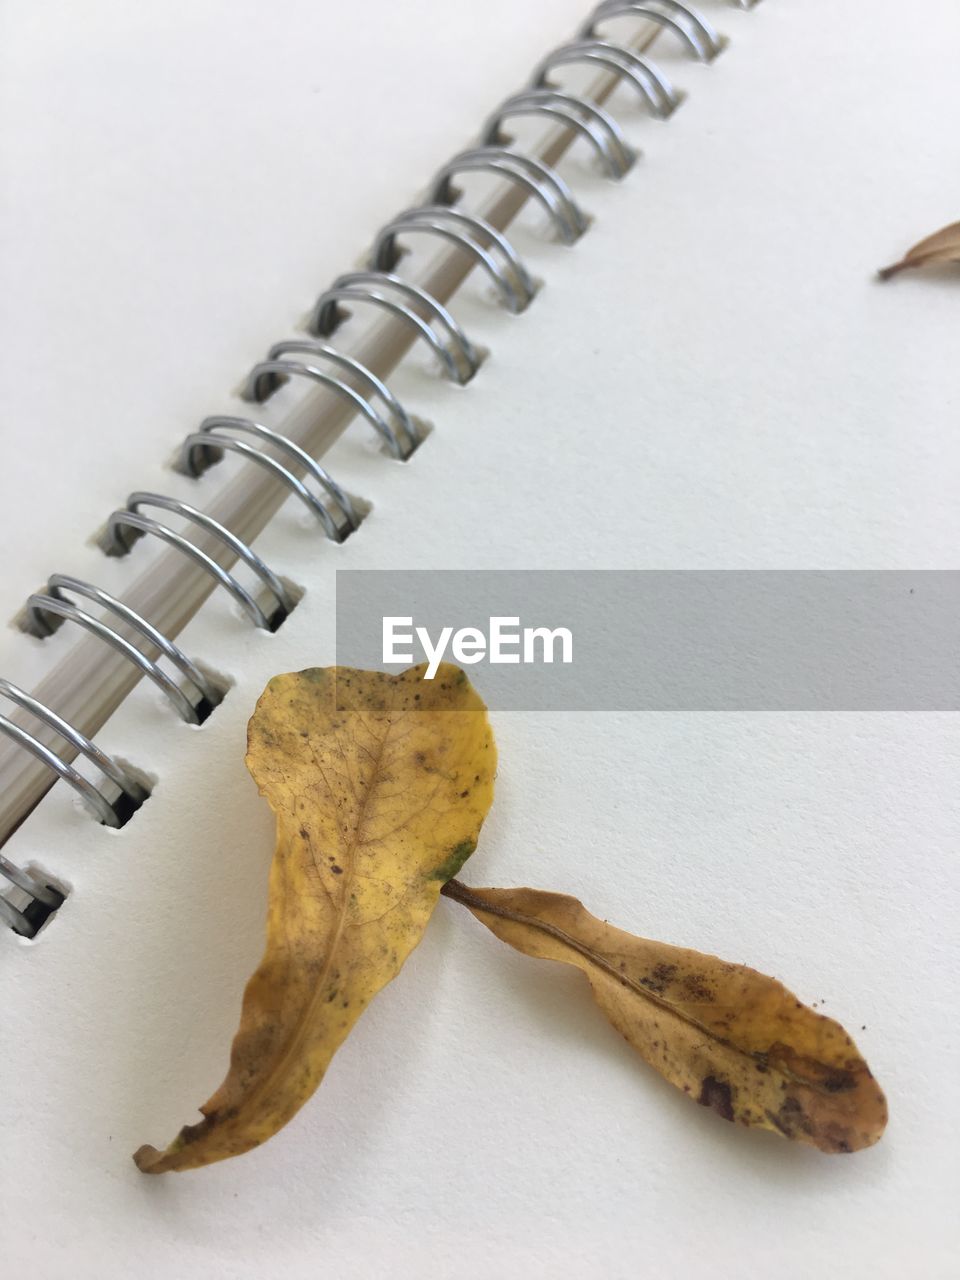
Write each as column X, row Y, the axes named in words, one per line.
column 710, row 378
column 180, row 181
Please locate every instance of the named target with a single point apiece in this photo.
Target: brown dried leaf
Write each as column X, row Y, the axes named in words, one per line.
column 726, row 1035
column 942, row 247
column 379, row 785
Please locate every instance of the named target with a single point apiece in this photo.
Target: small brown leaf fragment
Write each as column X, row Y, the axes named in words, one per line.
column 736, row 1041
column 379, row 785
column 936, row 250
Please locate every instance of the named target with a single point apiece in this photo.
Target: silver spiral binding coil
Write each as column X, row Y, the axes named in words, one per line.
column 204, row 447
column 649, row 81
column 535, row 177
column 690, row 26
column 43, row 900
column 596, row 125
column 111, row 812
column 43, row 606
column 396, row 427
column 499, row 259
column 129, row 518
column 30, row 900
column 451, row 344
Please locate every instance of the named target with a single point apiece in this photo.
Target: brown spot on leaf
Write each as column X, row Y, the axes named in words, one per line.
column 718, row 1095
column 659, row 978
column 791, row 1119
column 695, row 988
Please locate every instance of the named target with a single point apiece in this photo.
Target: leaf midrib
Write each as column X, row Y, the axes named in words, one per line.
column 461, row 893
column 306, row 1020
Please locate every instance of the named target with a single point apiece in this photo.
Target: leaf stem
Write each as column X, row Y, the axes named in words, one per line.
column 462, row 893
column 887, row 273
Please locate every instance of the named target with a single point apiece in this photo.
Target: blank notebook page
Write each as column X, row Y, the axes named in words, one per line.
column 710, row 378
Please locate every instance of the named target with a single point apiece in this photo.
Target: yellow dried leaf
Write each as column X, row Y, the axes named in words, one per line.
column 726, row 1035
column 942, row 247
column 379, row 785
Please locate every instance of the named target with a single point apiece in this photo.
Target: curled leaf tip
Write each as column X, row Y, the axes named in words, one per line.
column 380, row 785
column 146, row 1159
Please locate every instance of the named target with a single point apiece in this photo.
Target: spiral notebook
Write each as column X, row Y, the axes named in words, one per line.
column 416, row 287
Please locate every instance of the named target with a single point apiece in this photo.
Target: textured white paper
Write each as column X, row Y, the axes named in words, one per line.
column 710, row 378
